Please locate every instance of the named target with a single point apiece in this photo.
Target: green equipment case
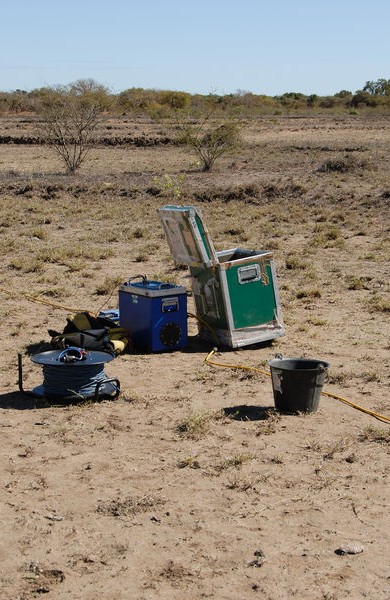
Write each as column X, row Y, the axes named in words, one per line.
column 235, row 291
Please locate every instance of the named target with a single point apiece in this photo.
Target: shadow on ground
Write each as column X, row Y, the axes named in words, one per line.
column 246, row 412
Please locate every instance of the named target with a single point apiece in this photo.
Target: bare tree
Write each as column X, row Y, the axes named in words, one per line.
column 69, row 119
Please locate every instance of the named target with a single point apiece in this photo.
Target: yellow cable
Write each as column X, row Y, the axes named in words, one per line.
column 245, row 367
column 210, row 354
column 42, row 301
column 378, row 416
column 213, row 332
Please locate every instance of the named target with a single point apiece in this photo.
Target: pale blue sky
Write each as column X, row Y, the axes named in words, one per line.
column 220, row 46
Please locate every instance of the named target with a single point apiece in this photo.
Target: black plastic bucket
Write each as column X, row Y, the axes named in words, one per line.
column 297, row 384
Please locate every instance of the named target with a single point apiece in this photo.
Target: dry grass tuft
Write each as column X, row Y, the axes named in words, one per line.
column 235, row 461
column 378, row 304
column 198, row 424
column 375, row 434
column 123, row 507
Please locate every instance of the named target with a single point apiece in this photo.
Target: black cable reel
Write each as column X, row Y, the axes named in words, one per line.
column 72, row 374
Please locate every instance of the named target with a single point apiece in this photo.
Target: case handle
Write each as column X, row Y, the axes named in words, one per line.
column 143, row 277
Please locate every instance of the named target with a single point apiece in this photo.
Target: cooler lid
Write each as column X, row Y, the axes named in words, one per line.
column 151, row 288
column 187, row 236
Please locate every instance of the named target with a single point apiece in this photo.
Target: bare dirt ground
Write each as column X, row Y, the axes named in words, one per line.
column 190, row 484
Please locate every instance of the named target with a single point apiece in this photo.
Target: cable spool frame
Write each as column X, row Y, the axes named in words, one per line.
column 105, row 387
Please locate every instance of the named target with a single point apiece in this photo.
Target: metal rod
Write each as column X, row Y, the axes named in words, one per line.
column 100, row 383
column 20, row 373
column 20, row 379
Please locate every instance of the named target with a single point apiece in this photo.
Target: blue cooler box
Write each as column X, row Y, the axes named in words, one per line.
column 154, row 313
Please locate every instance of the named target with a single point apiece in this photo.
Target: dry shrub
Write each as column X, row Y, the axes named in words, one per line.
column 245, row 193
column 345, row 164
column 283, row 190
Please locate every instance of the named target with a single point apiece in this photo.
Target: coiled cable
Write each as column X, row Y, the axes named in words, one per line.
column 75, row 379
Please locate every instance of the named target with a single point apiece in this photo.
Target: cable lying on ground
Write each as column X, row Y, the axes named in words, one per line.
column 378, row 416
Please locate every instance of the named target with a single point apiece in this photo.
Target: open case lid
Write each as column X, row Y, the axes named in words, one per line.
column 187, row 236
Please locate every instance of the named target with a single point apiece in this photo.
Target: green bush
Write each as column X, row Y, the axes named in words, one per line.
column 210, row 145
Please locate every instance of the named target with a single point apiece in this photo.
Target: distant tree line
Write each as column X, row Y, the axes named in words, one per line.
column 67, row 117
column 166, row 103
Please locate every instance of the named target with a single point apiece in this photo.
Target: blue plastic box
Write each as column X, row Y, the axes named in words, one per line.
column 155, row 314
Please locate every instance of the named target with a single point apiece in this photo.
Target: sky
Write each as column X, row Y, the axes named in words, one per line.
column 222, row 47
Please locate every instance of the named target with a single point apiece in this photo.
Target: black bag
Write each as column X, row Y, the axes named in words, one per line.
column 92, row 333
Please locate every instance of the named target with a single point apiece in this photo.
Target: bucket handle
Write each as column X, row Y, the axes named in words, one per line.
column 324, row 370
column 320, row 367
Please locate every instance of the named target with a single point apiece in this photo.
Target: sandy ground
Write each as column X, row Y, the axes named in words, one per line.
column 190, row 484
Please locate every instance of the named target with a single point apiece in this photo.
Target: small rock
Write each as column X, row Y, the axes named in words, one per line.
column 54, row 517
column 351, row 458
column 351, row 548
column 259, row 559
column 155, row 519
